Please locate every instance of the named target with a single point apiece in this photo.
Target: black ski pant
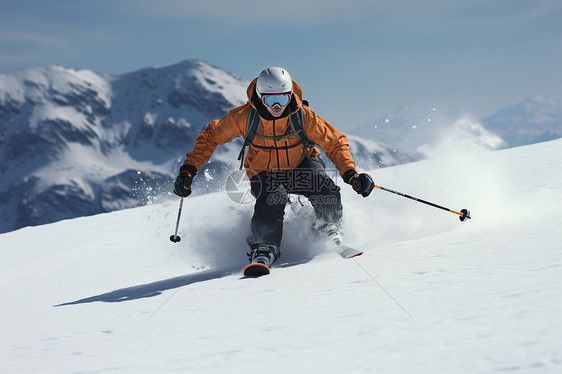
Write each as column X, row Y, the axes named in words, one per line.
column 271, row 191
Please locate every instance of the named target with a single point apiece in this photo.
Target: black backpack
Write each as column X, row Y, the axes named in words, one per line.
column 296, row 128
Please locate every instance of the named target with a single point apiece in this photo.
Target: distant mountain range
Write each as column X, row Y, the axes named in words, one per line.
column 76, row 143
column 533, row 120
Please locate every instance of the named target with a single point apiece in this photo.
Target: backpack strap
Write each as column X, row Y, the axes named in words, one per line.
column 297, row 125
column 253, row 125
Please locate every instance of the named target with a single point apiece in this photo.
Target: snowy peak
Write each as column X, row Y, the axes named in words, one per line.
column 192, row 83
column 51, row 82
column 535, row 119
column 74, row 142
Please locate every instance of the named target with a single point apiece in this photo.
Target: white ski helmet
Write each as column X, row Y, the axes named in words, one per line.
column 274, row 81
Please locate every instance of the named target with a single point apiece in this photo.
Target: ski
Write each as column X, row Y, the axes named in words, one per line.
column 346, row 251
column 256, row 270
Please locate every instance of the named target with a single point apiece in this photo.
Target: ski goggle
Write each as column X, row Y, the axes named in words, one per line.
column 276, row 99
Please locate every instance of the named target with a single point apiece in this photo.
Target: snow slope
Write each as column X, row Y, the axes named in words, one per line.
column 430, row 295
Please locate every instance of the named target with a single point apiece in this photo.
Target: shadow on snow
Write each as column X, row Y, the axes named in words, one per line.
column 156, row 288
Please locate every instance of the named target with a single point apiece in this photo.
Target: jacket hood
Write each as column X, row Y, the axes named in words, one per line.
column 294, row 105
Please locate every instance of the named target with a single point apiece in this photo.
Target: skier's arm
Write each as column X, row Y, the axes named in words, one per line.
column 329, row 139
column 336, row 146
column 216, row 133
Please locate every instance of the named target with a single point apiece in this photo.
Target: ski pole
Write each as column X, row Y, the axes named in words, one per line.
column 464, row 213
column 176, row 238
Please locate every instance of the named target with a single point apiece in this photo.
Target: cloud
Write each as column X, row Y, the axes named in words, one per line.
column 411, row 14
column 18, row 57
column 34, row 39
column 24, row 47
column 251, row 12
column 535, row 10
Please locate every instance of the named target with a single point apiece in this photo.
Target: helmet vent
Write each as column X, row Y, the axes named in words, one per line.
column 273, row 81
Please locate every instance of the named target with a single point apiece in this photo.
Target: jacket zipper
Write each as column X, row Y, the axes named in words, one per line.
column 276, row 149
column 269, row 161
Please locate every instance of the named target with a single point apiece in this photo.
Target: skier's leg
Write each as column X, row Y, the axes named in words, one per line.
column 269, row 210
column 311, row 180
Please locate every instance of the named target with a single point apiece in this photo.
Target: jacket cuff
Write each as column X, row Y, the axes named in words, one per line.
column 348, row 175
column 186, row 168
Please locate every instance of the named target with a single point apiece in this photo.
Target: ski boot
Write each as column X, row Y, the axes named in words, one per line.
column 263, row 254
column 331, row 231
column 261, row 257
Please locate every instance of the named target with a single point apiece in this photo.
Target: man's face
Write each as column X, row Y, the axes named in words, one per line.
column 276, row 111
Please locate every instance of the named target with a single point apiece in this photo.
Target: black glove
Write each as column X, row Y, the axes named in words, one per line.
column 362, row 183
column 182, row 186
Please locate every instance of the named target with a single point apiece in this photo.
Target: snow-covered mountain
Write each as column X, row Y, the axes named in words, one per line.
column 535, row 119
column 75, row 143
column 111, row 293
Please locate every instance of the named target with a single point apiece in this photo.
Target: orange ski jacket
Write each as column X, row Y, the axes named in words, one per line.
column 258, row 160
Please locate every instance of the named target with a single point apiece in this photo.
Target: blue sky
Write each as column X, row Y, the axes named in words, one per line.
column 356, row 60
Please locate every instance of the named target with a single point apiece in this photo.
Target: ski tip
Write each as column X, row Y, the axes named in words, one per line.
column 348, row 252
column 256, row 270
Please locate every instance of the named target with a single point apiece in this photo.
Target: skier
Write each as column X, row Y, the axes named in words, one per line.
column 280, row 160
